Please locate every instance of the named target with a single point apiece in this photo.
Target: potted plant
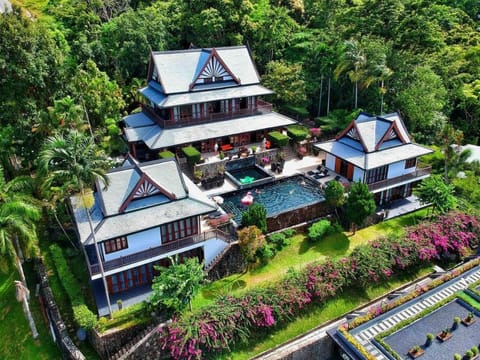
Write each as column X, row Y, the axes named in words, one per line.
column 221, row 155
column 416, row 351
column 254, row 149
column 430, row 337
column 444, row 335
column 469, row 319
column 301, row 152
column 265, row 161
column 457, row 357
column 469, row 354
column 456, row 321
column 197, row 176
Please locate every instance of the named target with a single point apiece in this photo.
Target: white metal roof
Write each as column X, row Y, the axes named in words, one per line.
column 375, row 159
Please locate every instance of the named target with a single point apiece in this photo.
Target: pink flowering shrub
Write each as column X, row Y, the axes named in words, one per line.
column 230, row 320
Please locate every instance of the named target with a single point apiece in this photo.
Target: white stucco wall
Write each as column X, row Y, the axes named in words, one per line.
column 212, row 248
column 398, row 169
column 330, row 162
column 137, row 242
column 357, row 174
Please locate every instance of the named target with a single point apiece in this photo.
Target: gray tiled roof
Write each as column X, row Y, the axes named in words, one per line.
column 156, row 138
column 109, row 223
column 196, row 97
column 375, row 159
column 178, row 69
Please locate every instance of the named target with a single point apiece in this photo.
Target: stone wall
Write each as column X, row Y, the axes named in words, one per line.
column 231, row 263
column 68, row 349
column 111, row 342
column 297, row 216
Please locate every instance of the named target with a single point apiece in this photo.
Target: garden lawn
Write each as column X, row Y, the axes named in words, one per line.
column 317, row 315
column 17, row 341
column 299, row 253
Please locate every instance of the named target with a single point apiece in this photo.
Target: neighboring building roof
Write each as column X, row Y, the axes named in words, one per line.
column 188, row 98
column 178, row 70
column 370, row 141
column 475, row 151
column 139, row 197
column 376, row 159
column 156, row 138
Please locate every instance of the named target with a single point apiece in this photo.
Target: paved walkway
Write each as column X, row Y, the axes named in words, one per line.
column 366, row 335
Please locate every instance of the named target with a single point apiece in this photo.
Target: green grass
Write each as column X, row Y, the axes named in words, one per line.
column 17, row 341
column 316, row 315
column 301, row 252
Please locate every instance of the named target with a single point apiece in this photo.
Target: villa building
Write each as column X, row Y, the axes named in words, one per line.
column 377, row 151
column 208, row 98
column 149, row 212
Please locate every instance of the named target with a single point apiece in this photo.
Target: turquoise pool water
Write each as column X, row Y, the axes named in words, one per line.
column 277, row 197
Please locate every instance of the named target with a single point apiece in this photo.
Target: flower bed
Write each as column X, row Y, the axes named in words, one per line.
column 230, row 320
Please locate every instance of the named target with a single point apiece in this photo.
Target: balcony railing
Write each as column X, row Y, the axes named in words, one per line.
column 420, row 172
column 262, row 107
column 159, row 250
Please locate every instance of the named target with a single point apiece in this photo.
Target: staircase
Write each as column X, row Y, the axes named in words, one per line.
column 132, row 345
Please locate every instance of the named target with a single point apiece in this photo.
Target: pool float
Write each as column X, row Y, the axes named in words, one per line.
column 247, row 199
column 247, row 180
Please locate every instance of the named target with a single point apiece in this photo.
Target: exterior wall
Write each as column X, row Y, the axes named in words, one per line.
column 330, row 161
column 212, row 248
column 358, row 174
column 137, row 242
column 398, row 169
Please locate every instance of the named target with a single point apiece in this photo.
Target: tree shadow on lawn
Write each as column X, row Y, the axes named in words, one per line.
column 331, row 245
column 223, row 286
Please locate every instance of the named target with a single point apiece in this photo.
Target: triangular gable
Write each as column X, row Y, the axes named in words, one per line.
column 213, row 70
column 392, row 133
column 145, row 187
column 352, row 132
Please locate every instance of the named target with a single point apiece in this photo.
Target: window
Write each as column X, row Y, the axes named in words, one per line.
column 115, row 244
column 179, row 229
column 410, row 163
column 377, row 174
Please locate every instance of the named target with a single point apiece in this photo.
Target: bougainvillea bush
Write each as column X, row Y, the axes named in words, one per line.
column 230, row 320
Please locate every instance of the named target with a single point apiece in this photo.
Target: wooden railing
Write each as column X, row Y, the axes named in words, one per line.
column 262, row 107
column 420, row 172
column 159, row 250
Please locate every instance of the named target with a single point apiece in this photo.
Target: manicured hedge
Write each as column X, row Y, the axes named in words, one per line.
column 297, row 132
column 166, row 154
column 193, row 155
column 278, row 139
column 82, row 314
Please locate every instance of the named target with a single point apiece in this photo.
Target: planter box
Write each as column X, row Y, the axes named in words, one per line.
column 415, row 354
column 467, row 322
column 442, row 337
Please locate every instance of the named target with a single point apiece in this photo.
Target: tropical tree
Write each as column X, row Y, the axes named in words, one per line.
column 335, row 195
column 354, row 62
column 250, row 240
column 256, row 214
column 176, row 285
column 359, row 204
column 18, row 237
column 433, row 190
column 72, row 162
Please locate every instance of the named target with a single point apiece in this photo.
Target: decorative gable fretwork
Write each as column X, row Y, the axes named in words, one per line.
column 353, row 133
column 214, row 69
column 145, row 189
column 392, row 133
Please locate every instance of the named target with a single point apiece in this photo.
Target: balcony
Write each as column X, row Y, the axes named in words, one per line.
column 419, row 173
column 159, row 250
column 262, row 107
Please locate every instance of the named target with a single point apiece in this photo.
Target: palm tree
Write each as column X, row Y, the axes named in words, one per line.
column 354, row 62
column 18, row 236
column 73, row 162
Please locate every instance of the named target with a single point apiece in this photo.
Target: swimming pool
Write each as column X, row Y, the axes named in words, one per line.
column 277, row 197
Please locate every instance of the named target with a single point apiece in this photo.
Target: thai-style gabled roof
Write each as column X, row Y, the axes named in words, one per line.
column 183, row 71
column 140, row 196
column 372, row 133
column 370, row 141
